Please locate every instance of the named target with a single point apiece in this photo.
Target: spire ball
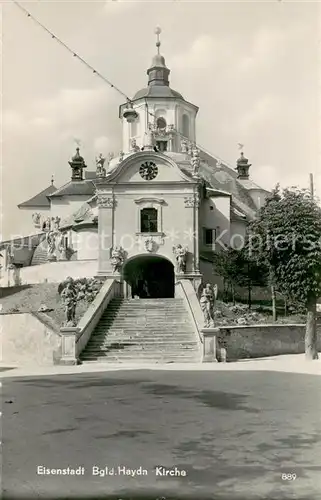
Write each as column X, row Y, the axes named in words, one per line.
column 157, row 30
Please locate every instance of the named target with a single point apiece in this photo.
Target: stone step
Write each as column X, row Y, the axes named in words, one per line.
column 143, row 334
column 141, row 355
column 149, row 344
column 132, row 360
column 143, row 330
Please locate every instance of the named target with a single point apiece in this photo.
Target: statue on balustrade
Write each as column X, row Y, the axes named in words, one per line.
column 181, row 257
column 69, row 298
column 117, row 258
column 100, row 169
column 46, row 226
column 207, row 302
column 36, row 219
column 61, row 246
column 133, row 146
column 184, row 146
column 195, row 161
column 51, row 242
column 56, row 223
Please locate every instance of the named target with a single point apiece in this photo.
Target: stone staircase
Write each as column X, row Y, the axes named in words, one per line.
column 40, row 255
column 144, row 330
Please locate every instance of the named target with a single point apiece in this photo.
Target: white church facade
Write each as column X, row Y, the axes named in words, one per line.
column 155, row 212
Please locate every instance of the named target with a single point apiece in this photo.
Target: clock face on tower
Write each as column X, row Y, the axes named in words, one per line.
column 148, row 170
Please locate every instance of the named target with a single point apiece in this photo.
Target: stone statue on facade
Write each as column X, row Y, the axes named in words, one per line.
column 117, row 258
column 207, row 302
column 121, row 156
column 100, row 169
column 51, row 242
column 56, row 223
column 195, row 161
column 69, row 298
column 184, row 146
column 133, row 146
column 46, row 226
column 61, row 247
column 181, row 257
column 36, row 219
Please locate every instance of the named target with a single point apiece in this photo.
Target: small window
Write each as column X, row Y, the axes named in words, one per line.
column 134, row 128
column 161, row 146
column 185, row 126
column 209, row 236
column 148, row 220
column 161, row 123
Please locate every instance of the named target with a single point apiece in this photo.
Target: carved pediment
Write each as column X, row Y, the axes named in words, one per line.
column 148, row 167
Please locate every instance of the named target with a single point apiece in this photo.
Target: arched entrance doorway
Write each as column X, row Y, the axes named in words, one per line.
column 150, row 276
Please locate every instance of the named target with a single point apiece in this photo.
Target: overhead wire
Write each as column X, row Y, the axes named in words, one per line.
column 97, row 73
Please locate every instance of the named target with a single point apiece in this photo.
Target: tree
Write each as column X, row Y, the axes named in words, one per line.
column 237, row 267
column 287, row 236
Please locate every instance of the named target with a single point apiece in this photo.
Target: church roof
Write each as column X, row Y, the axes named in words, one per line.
column 41, row 199
column 157, row 91
column 85, row 187
column 221, row 176
column 86, row 214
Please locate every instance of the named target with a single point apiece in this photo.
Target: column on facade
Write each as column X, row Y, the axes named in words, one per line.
column 106, row 205
column 192, row 205
column 196, row 231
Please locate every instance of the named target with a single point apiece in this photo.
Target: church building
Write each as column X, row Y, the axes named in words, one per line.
column 152, row 213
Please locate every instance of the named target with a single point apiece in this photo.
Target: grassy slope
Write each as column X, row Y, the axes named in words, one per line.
column 28, row 298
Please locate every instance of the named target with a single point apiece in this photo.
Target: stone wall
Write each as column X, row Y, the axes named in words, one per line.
column 55, row 272
column 26, row 341
column 255, row 341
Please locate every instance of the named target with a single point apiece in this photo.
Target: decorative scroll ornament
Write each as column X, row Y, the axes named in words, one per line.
column 207, row 303
column 181, row 257
column 117, row 258
column 192, row 201
column 105, row 201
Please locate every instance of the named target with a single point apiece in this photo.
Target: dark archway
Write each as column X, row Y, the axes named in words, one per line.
column 150, row 276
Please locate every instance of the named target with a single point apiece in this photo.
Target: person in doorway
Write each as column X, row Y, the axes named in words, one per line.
column 145, row 289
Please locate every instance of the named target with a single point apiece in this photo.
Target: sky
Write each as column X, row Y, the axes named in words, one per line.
column 253, row 68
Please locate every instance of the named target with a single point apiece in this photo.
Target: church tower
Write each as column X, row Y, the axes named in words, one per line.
column 160, row 110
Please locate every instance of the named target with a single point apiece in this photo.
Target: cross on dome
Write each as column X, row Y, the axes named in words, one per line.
column 157, row 33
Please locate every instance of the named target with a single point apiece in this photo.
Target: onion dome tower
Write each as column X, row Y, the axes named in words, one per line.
column 243, row 167
column 158, row 73
column 77, row 164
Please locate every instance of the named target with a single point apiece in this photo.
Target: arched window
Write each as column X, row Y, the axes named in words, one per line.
column 148, row 220
column 185, row 126
column 161, row 123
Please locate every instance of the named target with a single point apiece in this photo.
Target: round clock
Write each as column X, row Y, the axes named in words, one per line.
column 148, row 170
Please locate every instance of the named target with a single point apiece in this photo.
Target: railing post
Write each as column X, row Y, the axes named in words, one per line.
column 68, row 345
column 209, row 344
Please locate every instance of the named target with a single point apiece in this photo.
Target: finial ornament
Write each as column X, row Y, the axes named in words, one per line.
column 157, row 33
column 240, row 146
column 52, row 180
